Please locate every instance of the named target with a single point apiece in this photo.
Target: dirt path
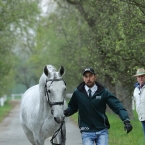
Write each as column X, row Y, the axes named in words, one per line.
column 11, row 132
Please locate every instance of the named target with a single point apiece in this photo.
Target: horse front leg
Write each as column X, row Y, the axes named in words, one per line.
column 61, row 137
column 38, row 140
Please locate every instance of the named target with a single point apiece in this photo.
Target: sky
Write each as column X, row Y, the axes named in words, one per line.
column 47, row 6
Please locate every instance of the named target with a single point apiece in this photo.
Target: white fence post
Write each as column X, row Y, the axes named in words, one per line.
column 13, row 97
column 2, row 100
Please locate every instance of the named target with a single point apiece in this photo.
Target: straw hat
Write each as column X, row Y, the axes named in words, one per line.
column 140, row 71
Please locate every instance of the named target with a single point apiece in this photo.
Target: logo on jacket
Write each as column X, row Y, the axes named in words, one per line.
column 98, row 97
column 84, row 128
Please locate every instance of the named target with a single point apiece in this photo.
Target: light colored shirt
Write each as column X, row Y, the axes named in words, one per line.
column 93, row 89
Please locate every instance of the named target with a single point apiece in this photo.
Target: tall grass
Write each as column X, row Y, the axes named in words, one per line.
column 117, row 135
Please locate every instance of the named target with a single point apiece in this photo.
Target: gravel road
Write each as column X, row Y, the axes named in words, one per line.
column 11, row 132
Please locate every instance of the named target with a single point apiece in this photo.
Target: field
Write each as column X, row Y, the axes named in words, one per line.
column 117, row 135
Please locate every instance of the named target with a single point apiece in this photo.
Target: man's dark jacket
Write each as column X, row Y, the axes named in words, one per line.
column 91, row 111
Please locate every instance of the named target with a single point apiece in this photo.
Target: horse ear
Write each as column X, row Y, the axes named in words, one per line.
column 46, row 71
column 61, row 70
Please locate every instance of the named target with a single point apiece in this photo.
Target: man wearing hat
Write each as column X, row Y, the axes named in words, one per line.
column 90, row 99
column 139, row 96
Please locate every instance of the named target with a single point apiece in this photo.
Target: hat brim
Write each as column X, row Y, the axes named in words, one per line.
column 139, row 74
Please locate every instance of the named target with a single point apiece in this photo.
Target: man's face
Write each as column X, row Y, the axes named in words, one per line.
column 89, row 79
column 141, row 79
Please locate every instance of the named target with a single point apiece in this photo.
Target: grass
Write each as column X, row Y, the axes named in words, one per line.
column 4, row 110
column 117, row 135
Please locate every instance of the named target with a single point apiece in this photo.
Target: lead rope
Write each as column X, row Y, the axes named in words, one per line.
column 55, row 134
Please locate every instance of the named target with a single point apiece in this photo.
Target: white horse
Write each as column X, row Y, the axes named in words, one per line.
column 42, row 106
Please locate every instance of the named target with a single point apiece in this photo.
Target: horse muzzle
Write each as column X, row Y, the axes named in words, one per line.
column 59, row 119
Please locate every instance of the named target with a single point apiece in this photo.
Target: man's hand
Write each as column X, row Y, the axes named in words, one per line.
column 66, row 112
column 128, row 127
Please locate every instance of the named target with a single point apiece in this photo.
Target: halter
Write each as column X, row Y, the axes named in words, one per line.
column 47, row 92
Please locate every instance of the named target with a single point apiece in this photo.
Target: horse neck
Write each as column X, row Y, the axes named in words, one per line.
column 43, row 102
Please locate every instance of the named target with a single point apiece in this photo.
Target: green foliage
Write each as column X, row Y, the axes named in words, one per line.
column 6, row 73
column 106, row 35
column 25, row 74
column 64, row 41
column 95, row 34
column 116, row 34
column 17, row 17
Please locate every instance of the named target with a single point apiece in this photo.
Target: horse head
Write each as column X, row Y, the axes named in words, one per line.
column 55, row 87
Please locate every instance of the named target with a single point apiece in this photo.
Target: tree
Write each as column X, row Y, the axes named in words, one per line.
column 16, row 17
column 115, row 40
